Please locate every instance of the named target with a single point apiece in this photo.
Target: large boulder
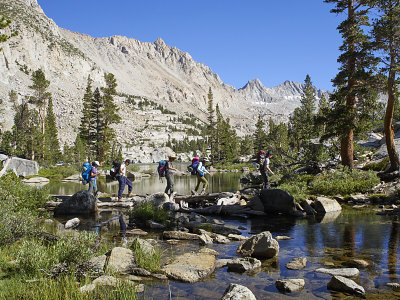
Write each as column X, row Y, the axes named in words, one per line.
column 81, row 203
column 121, row 260
column 277, row 201
column 20, row 166
column 191, row 267
column 261, row 245
column 158, row 199
column 238, row 292
column 325, row 205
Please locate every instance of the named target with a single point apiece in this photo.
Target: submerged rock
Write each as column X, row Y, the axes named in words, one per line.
column 81, row 203
column 261, row 245
column 179, row 235
column 343, row 284
column 290, row 285
column 345, row 272
column 238, row 292
column 297, row 263
column 242, row 265
column 191, row 267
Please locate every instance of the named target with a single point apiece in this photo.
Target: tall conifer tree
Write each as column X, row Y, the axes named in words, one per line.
column 52, row 152
column 386, row 32
column 354, row 74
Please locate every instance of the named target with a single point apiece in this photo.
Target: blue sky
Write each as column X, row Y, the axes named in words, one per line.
column 239, row 40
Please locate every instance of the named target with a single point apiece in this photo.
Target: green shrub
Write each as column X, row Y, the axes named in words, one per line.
column 377, row 166
column 146, row 211
column 33, row 255
column 343, row 182
column 149, row 260
column 74, row 248
column 58, row 173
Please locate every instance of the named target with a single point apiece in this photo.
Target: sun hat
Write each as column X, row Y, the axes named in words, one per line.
column 97, row 163
column 172, row 156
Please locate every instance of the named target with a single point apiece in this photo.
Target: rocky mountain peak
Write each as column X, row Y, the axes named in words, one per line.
column 254, row 84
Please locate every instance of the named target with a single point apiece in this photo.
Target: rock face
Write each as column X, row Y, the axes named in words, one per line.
column 290, row 285
column 81, row 203
column 238, row 292
column 191, row 267
column 343, row 284
column 261, row 245
column 156, row 71
column 179, row 235
column 20, row 166
column 325, row 205
column 275, row 200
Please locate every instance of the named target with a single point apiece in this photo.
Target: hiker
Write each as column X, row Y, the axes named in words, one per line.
column 265, row 169
column 123, row 180
column 200, row 171
column 259, row 160
column 169, row 175
column 93, row 178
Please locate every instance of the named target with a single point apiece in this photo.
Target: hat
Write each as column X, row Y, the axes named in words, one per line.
column 172, row 156
column 96, row 163
column 128, row 160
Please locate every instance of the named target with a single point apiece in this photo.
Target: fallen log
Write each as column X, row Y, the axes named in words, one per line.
column 206, row 197
column 225, row 210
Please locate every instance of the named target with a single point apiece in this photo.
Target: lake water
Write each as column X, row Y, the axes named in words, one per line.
column 330, row 242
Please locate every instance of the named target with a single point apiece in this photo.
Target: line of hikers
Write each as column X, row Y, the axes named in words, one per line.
column 165, row 169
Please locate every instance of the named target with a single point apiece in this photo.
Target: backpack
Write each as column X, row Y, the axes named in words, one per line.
column 86, row 169
column 194, row 167
column 162, row 166
column 114, row 171
column 260, row 156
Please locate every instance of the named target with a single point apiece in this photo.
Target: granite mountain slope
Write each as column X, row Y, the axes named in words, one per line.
column 162, row 74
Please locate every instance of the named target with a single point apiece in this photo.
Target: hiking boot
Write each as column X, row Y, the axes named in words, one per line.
column 121, row 200
column 193, row 192
column 131, row 194
column 202, row 192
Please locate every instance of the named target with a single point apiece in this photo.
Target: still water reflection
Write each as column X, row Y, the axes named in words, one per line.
column 333, row 241
column 218, row 182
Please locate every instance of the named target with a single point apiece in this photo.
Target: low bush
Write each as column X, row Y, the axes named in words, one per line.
column 58, row 173
column 146, row 211
column 343, row 182
column 378, row 166
column 149, row 260
column 35, row 254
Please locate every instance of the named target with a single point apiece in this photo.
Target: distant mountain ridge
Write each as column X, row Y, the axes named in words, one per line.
column 156, row 71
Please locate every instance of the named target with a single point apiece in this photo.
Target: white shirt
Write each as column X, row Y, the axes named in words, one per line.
column 123, row 169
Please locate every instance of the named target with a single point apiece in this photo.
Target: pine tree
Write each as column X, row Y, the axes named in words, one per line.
column 323, row 109
column 386, row 32
column 354, row 75
column 79, row 150
column 52, row 152
column 110, row 116
column 303, row 119
column 40, row 99
column 260, row 137
column 97, row 132
column 210, row 123
column 84, row 128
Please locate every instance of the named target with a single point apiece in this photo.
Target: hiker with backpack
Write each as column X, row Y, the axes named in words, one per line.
column 264, row 168
column 93, row 178
column 169, row 175
column 123, row 180
column 198, row 169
